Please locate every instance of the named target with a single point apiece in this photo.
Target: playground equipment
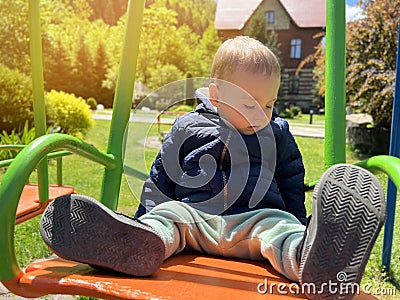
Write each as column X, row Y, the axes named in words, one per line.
column 184, row 276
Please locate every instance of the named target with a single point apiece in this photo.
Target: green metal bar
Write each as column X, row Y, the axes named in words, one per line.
column 59, row 170
column 135, row 172
column 389, row 165
column 38, row 91
column 335, row 92
column 11, row 147
column 7, row 162
column 14, row 180
column 123, row 102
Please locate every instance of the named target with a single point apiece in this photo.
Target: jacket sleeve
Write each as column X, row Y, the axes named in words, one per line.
column 289, row 172
column 160, row 186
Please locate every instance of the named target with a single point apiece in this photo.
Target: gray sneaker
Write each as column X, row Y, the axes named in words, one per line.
column 81, row 229
column 348, row 213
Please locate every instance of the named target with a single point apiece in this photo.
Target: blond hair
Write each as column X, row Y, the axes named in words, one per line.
column 245, row 54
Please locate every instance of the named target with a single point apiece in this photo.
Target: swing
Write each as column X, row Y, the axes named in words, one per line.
column 33, row 202
column 185, row 276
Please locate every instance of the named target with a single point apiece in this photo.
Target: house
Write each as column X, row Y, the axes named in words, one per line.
column 296, row 22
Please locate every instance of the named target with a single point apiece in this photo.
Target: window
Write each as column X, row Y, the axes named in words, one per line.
column 270, row 17
column 294, row 84
column 295, row 48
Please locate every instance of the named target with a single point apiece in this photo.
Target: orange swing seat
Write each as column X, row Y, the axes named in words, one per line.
column 185, row 276
column 30, row 206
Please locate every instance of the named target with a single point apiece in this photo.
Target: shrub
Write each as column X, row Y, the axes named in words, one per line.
column 16, row 104
column 179, row 108
column 137, row 98
column 296, row 111
column 24, row 137
column 286, row 114
column 92, row 103
column 68, row 112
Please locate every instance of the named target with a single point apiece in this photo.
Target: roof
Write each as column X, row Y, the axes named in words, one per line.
column 233, row 14
column 306, row 13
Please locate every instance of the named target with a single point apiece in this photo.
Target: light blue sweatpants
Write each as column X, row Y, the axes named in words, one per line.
column 266, row 234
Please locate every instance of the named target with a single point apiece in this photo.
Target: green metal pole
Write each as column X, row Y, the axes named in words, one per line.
column 123, row 102
column 59, row 170
column 38, row 91
column 335, row 88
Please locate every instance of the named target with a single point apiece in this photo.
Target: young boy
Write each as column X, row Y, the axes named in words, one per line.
column 229, row 181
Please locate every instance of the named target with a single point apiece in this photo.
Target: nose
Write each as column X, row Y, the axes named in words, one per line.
column 259, row 114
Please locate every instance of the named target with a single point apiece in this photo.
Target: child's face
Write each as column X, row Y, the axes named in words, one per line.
column 246, row 101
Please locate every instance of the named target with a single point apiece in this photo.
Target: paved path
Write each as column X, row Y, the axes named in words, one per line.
column 304, row 130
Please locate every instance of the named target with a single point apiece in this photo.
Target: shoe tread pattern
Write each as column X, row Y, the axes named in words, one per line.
column 81, row 229
column 351, row 213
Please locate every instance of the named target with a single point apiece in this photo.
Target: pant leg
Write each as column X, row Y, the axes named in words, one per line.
column 183, row 227
column 268, row 234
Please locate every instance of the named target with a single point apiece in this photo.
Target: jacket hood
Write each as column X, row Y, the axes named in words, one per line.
column 203, row 96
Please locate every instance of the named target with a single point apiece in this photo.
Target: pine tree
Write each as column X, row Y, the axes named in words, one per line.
column 257, row 28
column 102, row 94
column 58, row 69
column 84, row 78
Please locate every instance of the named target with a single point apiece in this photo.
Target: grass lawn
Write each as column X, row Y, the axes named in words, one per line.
column 86, row 177
column 304, row 119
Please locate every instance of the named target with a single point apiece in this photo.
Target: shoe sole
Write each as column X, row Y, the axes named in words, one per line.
column 346, row 220
column 81, row 229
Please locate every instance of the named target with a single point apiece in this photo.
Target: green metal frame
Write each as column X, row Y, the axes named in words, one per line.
column 34, row 155
column 123, row 102
column 42, row 147
column 335, row 90
column 55, row 155
column 38, row 92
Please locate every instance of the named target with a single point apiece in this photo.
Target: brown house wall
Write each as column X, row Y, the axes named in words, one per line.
column 307, row 46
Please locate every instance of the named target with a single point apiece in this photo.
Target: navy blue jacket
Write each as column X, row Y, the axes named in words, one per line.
column 205, row 162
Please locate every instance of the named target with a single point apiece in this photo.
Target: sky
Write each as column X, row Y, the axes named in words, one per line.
column 351, row 2
column 352, row 11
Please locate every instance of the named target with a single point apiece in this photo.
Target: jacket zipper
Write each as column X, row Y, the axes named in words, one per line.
column 223, row 172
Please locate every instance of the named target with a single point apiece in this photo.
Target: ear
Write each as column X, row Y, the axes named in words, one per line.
column 213, row 89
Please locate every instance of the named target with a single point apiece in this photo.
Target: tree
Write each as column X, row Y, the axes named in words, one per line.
column 101, row 93
column 14, row 35
column 161, row 42
column 197, row 14
column 201, row 61
column 110, row 11
column 58, row 68
column 164, row 75
column 257, row 28
column 371, row 59
column 319, row 70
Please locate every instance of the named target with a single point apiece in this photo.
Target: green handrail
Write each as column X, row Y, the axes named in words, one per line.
column 14, row 180
column 335, row 91
column 389, row 165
